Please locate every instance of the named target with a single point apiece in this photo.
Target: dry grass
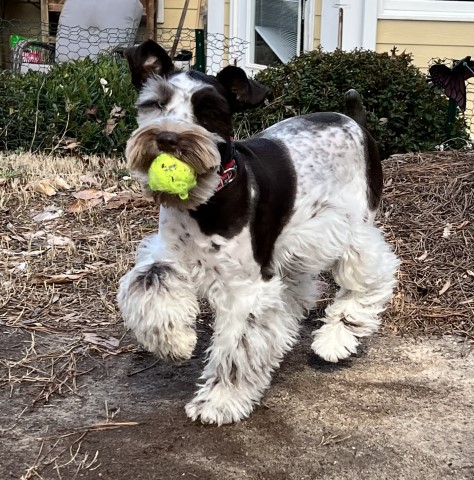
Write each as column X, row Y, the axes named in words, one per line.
column 428, row 214
column 59, row 276
column 58, row 281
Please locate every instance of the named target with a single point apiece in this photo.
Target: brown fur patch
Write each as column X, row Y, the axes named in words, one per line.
column 195, row 146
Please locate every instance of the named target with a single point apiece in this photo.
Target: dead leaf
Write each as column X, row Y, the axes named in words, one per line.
column 31, row 253
column 463, row 224
column 117, row 112
column 19, row 267
column 3, row 181
column 33, row 235
column 91, row 111
column 90, row 179
column 49, row 213
column 470, row 273
column 109, row 126
column 88, row 194
column 109, row 343
column 59, row 183
column 64, row 278
column 123, row 198
column 447, row 230
column 81, row 205
column 445, row 288
column 58, row 240
column 422, row 257
column 42, row 186
column 108, row 196
column 72, row 145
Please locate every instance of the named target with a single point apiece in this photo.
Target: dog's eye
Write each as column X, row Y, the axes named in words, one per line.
column 159, row 104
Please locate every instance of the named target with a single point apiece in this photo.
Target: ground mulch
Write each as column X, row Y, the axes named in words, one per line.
column 69, row 227
column 428, row 215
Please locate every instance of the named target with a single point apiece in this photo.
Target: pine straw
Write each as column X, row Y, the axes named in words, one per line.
column 427, row 214
column 52, row 295
column 44, row 326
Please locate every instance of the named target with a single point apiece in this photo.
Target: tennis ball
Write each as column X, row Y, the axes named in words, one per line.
column 170, row 175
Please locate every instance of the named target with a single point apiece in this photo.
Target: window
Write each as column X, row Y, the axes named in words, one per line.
column 276, row 30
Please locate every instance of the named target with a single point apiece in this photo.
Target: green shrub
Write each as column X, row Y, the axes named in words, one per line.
column 70, row 109
column 404, row 114
column 85, row 106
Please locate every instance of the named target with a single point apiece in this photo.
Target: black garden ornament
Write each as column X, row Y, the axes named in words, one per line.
column 453, row 82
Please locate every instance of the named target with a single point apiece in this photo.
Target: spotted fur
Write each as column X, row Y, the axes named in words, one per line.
column 302, row 202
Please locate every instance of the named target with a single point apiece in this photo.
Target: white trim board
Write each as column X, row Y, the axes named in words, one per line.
column 215, row 16
column 437, row 10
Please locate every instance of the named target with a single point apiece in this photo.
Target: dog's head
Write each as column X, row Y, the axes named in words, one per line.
column 185, row 114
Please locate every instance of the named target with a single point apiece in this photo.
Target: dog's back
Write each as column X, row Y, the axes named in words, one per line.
column 328, row 151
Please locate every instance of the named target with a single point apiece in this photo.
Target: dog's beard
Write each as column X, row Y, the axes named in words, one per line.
column 195, row 146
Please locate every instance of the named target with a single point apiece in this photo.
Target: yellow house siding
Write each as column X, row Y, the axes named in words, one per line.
column 317, row 23
column 173, row 10
column 426, row 39
column 227, row 18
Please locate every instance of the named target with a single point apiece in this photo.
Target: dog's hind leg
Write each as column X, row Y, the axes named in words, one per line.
column 302, row 291
column 158, row 302
column 253, row 330
column 366, row 276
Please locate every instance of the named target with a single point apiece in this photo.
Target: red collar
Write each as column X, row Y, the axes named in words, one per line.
column 227, row 172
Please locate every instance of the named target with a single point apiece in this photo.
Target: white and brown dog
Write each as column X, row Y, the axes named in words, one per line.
column 268, row 215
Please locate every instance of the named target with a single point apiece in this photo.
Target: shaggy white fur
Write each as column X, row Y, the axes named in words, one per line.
column 256, row 321
column 329, row 228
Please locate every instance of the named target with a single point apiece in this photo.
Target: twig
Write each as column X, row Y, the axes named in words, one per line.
column 144, row 369
column 92, row 428
column 37, row 113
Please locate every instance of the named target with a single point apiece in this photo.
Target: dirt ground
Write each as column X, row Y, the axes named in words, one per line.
column 80, row 399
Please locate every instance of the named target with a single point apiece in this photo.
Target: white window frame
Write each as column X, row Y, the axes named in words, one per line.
column 439, row 10
column 241, row 26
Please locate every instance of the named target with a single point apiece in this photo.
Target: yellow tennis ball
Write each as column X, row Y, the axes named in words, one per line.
column 169, row 174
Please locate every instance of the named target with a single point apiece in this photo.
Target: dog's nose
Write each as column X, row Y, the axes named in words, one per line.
column 167, row 139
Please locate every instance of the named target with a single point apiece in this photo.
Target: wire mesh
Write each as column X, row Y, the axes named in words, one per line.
column 77, row 102
column 468, row 114
column 35, row 46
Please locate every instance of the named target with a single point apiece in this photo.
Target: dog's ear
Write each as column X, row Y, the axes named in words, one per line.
column 147, row 59
column 242, row 92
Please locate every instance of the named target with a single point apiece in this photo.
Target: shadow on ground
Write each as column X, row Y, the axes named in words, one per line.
column 401, row 409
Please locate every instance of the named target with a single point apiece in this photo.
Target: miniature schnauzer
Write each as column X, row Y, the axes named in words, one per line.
column 268, row 215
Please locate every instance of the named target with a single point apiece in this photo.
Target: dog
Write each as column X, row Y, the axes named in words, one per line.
column 267, row 216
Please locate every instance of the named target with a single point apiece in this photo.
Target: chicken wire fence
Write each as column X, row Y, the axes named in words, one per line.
column 49, row 101
column 34, row 46
column 453, row 110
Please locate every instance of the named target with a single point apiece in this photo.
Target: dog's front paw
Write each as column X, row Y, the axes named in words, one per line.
column 158, row 303
column 334, row 342
column 220, row 405
column 176, row 343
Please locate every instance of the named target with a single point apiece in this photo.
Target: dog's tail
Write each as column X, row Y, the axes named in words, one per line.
column 356, row 110
column 354, row 107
